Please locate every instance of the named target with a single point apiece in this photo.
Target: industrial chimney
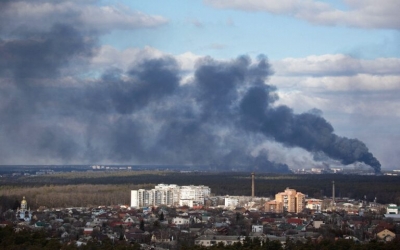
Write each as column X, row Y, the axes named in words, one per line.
column 252, row 185
column 333, row 193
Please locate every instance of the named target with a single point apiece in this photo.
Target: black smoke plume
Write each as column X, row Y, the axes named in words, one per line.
column 51, row 112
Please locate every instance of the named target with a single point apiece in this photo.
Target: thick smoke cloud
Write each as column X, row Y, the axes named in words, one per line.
column 40, row 56
column 54, row 112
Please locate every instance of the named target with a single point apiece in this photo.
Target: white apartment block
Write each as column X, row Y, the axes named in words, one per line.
column 231, row 202
column 134, row 198
column 170, row 195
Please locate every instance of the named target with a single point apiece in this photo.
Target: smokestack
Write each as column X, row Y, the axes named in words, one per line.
column 252, row 185
column 333, row 193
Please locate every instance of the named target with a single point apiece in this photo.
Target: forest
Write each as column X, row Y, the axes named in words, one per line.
column 112, row 188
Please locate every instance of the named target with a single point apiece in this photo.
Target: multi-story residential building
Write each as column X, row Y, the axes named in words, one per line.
column 273, row 206
column 231, row 201
column 314, row 204
column 193, row 195
column 145, row 197
column 134, row 198
column 166, row 194
column 170, row 195
column 290, row 201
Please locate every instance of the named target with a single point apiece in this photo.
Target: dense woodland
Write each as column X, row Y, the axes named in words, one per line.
column 111, row 188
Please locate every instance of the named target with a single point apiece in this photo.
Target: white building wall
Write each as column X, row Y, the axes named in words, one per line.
column 180, row 221
column 141, row 193
column 392, row 209
column 231, row 202
column 134, row 198
column 171, row 195
column 194, row 193
column 257, row 228
column 188, row 203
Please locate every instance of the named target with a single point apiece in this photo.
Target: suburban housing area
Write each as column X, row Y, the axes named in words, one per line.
column 169, row 216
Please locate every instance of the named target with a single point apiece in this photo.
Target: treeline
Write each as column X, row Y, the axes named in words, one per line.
column 111, row 188
column 38, row 240
column 340, row 244
column 52, row 196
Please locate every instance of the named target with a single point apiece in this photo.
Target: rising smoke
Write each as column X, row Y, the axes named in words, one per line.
column 53, row 113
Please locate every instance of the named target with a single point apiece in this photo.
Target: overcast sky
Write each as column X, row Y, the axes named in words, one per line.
column 79, row 85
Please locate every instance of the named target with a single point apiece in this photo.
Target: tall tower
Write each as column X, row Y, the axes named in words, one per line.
column 24, row 204
column 252, row 185
column 333, row 193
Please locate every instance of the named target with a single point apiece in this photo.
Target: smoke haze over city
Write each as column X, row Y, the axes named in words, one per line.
column 88, row 82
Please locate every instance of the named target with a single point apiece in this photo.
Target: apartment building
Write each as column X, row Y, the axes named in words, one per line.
column 290, row 201
column 170, row 195
column 314, row 204
column 231, row 202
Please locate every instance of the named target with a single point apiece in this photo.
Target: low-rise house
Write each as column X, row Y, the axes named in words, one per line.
column 100, row 219
column 382, row 225
column 129, row 219
column 221, row 230
column 295, row 221
column 81, row 242
column 386, row 235
column 116, row 223
column 6, row 223
column 64, row 235
column 179, row 221
column 40, row 224
column 265, row 221
column 208, row 231
column 257, row 228
column 208, row 241
column 87, row 230
column 196, row 229
column 392, row 209
column 136, row 235
column 317, row 224
column 161, row 236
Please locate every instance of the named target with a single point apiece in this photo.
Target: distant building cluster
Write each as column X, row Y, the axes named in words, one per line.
column 98, row 167
column 289, row 201
column 170, row 195
column 395, row 172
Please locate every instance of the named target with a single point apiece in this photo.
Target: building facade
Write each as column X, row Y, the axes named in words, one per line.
column 314, row 204
column 288, row 201
column 392, row 209
column 231, row 201
column 24, row 212
column 170, row 195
